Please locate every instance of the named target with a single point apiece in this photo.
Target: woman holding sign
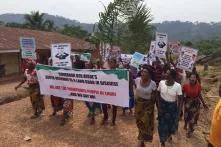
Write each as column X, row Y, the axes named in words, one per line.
column 169, row 106
column 34, row 91
column 144, row 106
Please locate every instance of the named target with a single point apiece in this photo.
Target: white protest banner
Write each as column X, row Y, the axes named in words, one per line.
column 187, row 58
column 61, row 55
column 101, row 86
column 86, row 57
column 161, row 45
column 28, row 48
column 137, row 59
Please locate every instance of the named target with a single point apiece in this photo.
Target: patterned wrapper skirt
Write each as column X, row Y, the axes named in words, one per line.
column 57, row 103
column 36, row 98
column 167, row 119
column 144, row 113
column 191, row 110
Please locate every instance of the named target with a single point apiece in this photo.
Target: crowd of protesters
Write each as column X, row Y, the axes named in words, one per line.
column 174, row 92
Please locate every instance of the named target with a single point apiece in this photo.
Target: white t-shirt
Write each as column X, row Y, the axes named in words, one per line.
column 169, row 93
column 144, row 92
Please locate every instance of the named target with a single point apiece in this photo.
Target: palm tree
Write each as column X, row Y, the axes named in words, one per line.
column 141, row 32
column 36, row 20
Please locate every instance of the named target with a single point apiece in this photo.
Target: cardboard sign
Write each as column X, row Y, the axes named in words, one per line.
column 61, row 55
column 187, row 58
column 161, row 45
column 28, row 48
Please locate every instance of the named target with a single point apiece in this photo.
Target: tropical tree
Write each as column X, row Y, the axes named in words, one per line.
column 107, row 25
column 36, row 20
column 74, row 31
column 140, row 30
column 127, row 24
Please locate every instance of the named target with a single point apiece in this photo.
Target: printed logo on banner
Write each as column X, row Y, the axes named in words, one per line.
column 187, row 58
column 161, row 45
column 28, row 48
column 61, row 55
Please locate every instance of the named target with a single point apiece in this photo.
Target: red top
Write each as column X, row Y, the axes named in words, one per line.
column 192, row 91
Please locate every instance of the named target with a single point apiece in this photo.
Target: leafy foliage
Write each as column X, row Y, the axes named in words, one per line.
column 74, row 31
column 205, row 47
column 126, row 23
column 36, row 20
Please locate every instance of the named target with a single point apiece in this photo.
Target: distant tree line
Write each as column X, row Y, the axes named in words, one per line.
column 126, row 23
column 205, row 47
column 36, row 21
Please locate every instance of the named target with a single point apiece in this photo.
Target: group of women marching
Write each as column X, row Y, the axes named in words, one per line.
column 171, row 93
column 157, row 84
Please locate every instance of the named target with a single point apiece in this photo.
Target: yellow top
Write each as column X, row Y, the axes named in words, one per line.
column 215, row 132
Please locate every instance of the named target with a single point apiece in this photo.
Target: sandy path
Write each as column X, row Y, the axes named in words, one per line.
column 15, row 124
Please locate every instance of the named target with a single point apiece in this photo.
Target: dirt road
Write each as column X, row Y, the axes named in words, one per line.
column 15, row 124
column 45, row 131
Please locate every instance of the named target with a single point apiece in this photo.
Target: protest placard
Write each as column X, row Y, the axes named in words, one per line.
column 152, row 52
column 101, row 86
column 137, row 59
column 126, row 58
column 187, row 58
column 161, row 45
column 61, row 55
column 86, row 57
column 28, row 48
column 114, row 52
column 175, row 48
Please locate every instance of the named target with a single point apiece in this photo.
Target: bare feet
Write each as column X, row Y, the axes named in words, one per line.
column 189, row 134
column 34, row 116
column 113, row 124
column 62, row 122
column 185, row 126
column 131, row 112
column 92, row 121
column 104, row 122
column 53, row 114
column 141, row 144
column 162, row 144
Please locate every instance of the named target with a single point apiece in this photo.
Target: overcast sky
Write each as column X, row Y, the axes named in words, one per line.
column 87, row 10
